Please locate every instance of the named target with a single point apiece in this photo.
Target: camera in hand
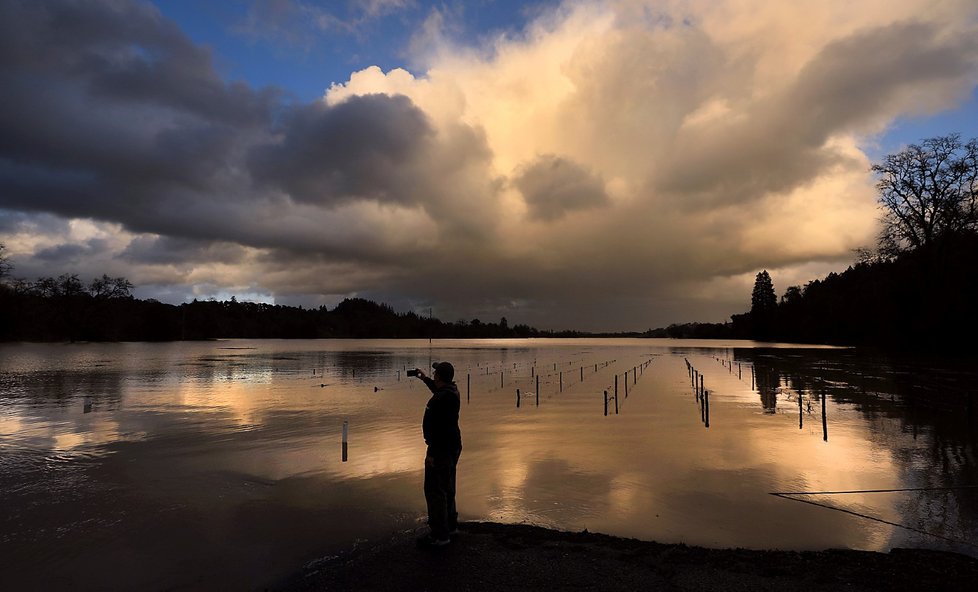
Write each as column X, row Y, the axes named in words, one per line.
column 412, row 372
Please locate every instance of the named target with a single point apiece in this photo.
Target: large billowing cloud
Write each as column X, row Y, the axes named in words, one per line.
column 614, row 165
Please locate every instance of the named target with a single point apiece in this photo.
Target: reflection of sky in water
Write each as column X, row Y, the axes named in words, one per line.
column 179, row 450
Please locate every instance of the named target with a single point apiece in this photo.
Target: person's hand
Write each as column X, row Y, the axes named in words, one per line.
column 429, row 462
column 421, row 373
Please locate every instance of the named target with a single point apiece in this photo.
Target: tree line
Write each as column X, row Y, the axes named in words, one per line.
column 66, row 309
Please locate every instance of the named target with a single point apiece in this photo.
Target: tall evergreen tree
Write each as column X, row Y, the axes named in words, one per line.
column 763, row 306
column 763, row 299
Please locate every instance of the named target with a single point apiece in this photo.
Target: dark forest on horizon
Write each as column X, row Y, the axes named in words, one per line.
column 62, row 309
column 915, row 290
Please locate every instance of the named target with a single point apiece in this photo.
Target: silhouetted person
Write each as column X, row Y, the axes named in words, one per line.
column 444, row 440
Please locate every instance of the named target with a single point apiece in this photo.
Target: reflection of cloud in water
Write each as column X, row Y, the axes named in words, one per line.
column 627, row 491
column 548, row 491
column 44, row 433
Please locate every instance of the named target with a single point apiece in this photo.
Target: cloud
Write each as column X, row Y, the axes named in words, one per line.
column 552, row 186
column 618, row 164
column 363, row 148
column 165, row 250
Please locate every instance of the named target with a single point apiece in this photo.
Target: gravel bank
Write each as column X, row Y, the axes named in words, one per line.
column 500, row 557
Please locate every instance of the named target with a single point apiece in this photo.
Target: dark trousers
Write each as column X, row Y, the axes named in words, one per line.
column 439, row 490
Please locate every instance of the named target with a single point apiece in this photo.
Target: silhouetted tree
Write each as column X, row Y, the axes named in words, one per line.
column 763, row 306
column 929, row 192
column 5, row 265
column 106, row 287
column 763, row 299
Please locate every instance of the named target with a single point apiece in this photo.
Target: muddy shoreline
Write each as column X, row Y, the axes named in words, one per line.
column 502, row 557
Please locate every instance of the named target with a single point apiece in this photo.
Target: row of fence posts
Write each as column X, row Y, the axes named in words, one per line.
column 502, row 379
column 700, row 393
column 636, row 370
column 560, row 375
column 728, row 364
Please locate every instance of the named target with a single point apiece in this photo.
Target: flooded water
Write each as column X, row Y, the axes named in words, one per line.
column 218, row 464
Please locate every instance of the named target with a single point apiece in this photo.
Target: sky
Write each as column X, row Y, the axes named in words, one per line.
column 596, row 165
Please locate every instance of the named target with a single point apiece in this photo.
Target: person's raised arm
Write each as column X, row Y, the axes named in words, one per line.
column 424, row 378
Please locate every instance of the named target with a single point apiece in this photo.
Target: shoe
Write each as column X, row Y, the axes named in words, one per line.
column 430, row 542
column 453, row 532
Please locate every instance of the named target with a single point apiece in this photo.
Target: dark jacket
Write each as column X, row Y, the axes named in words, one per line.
column 440, row 424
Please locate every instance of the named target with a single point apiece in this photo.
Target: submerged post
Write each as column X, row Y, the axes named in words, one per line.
column 626, row 385
column 500, row 379
column 606, row 403
column 468, row 387
column 346, row 431
column 706, row 405
column 825, row 424
column 538, row 388
column 517, row 398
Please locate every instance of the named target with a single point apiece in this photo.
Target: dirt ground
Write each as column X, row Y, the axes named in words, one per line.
column 499, row 557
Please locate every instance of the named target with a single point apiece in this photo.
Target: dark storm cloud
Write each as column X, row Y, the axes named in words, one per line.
column 107, row 108
column 365, row 147
column 69, row 253
column 164, row 250
column 12, row 222
column 121, row 51
column 552, row 186
column 109, row 112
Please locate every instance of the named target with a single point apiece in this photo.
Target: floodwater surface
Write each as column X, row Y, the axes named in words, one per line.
column 203, row 465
